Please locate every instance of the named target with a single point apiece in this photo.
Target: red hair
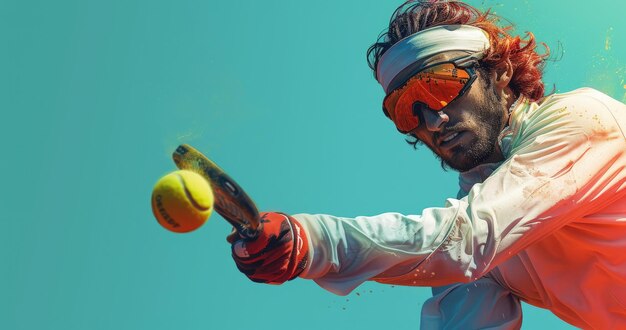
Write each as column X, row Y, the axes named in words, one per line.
column 417, row 15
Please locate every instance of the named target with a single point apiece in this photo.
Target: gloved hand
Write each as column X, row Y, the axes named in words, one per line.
column 277, row 254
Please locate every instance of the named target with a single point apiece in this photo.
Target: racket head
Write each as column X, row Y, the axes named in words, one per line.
column 231, row 201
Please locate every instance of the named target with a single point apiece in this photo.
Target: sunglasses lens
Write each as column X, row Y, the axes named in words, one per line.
column 434, row 87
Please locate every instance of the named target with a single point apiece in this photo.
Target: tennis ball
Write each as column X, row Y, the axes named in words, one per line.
column 182, row 201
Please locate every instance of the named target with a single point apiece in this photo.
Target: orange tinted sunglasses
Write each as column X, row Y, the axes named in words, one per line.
column 434, row 86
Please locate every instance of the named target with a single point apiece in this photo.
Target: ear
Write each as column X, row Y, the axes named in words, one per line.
column 502, row 74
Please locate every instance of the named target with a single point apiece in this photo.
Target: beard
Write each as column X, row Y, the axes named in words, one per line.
column 491, row 119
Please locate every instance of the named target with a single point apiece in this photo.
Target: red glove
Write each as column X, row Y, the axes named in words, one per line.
column 277, row 254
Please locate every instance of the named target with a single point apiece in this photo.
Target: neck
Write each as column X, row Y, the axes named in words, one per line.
column 510, row 101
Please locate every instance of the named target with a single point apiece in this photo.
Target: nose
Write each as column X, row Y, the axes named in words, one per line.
column 434, row 120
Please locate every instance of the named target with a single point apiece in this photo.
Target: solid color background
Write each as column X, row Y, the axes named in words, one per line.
column 95, row 95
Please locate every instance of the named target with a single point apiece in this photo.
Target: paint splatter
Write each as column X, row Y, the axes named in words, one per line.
column 607, row 71
column 607, row 41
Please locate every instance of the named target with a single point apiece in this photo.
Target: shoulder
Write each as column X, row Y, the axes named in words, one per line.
column 591, row 110
column 584, row 99
column 584, row 109
column 582, row 114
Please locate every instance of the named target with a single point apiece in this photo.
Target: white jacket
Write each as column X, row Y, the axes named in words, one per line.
column 547, row 226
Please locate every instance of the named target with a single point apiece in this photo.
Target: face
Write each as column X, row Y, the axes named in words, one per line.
column 464, row 134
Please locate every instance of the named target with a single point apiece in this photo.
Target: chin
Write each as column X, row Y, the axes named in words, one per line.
column 458, row 161
column 466, row 158
column 460, row 165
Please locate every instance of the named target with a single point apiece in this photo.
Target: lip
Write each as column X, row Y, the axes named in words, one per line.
column 446, row 144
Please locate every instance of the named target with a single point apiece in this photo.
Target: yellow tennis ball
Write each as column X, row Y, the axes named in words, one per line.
column 182, row 201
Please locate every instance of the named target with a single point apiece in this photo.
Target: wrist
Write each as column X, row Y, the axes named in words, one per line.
column 300, row 248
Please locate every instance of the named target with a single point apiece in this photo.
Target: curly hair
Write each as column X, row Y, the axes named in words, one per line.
column 417, row 15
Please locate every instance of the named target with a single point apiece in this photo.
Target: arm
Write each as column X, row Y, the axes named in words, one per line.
column 566, row 161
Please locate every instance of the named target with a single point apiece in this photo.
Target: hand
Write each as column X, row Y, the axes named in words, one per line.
column 277, row 254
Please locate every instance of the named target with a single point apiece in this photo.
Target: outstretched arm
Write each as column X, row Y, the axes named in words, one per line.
column 567, row 161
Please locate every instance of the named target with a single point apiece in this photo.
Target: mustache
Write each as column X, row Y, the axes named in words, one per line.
column 447, row 130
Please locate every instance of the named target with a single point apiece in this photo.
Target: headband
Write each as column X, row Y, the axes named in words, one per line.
column 426, row 43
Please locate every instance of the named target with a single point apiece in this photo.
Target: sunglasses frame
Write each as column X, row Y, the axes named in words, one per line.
column 466, row 62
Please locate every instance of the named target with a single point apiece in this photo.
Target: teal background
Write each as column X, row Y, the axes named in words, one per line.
column 95, row 95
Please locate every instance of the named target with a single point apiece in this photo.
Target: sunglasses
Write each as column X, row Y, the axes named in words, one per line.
column 434, row 86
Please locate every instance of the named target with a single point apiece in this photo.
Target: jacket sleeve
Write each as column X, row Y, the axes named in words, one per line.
column 567, row 161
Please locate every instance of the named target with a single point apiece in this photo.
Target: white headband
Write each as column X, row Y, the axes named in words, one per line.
column 426, row 43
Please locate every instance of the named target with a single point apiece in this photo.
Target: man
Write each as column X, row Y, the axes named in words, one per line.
column 539, row 216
